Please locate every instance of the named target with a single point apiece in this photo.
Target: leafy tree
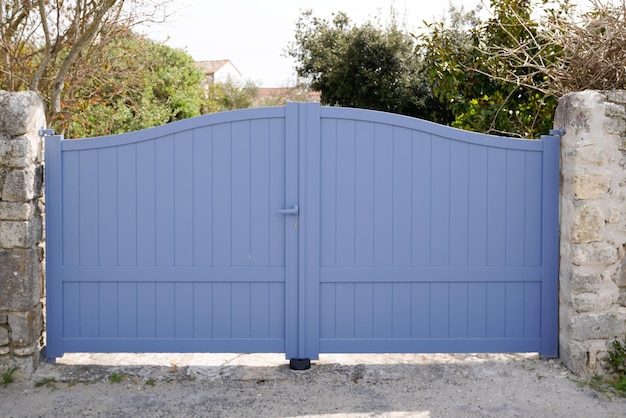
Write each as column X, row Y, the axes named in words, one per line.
column 229, row 95
column 134, row 83
column 363, row 66
column 482, row 90
column 43, row 42
column 280, row 95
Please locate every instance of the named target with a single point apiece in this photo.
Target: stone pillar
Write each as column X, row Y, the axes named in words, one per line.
column 21, row 231
column 592, row 227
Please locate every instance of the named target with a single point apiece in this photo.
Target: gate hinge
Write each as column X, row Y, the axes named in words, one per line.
column 46, row 132
column 559, row 132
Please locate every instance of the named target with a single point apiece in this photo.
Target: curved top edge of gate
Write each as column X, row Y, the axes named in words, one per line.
column 329, row 112
column 175, row 127
column 443, row 131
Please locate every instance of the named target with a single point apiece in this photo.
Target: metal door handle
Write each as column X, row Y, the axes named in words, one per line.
column 293, row 211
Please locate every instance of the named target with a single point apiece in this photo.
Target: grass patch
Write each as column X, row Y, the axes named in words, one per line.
column 117, row 377
column 49, row 382
column 7, row 376
column 615, row 382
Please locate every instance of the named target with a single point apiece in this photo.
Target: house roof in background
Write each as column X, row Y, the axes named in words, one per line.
column 211, row 67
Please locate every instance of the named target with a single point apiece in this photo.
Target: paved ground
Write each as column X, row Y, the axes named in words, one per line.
column 336, row 386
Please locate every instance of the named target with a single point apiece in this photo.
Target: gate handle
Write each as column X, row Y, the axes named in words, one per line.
column 293, row 211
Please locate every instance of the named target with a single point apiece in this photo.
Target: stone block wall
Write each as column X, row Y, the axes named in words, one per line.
column 21, row 231
column 592, row 227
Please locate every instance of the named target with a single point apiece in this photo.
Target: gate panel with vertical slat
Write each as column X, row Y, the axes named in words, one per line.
column 396, row 235
column 434, row 239
column 168, row 239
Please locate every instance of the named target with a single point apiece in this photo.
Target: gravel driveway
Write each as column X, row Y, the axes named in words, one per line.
column 235, row 385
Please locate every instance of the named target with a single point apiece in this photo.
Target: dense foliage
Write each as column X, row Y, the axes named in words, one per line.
column 477, row 85
column 229, row 95
column 44, row 44
column 500, row 75
column 134, row 83
column 363, row 66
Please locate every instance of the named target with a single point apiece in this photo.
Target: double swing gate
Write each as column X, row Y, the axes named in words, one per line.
column 302, row 230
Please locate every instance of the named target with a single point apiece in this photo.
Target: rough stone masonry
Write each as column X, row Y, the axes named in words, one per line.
column 592, row 227
column 21, row 231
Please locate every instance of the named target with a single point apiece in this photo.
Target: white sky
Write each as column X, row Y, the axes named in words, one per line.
column 254, row 34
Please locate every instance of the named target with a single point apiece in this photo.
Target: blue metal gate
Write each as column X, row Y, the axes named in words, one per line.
column 302, row 229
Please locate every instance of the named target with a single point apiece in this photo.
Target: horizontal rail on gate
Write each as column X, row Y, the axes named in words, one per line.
column 430, row 274
column 173, row 274
column 172, row 345
column 430, row 345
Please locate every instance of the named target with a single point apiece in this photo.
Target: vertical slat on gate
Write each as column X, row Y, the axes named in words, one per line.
column 364, row 195
column 184, row 310
column 550, row 247
column 478, row 181
column 88, row 310
column 240, row 193
column 260, row 310
column 71, row 310
column 183, row 199
column 440, row 310
column 107, row 206
column 532, row 315
column 166, row 310
column 328, row 200
column 203, row 197
column 146, row 310
column 401, row 195
column 241, row 296
column 54, row 211
column 345, row 194
column 514, row 316
column 383, row 311
column 496, row 310
column 440, row 203
column 164, row 201
column 127, row 325
column 88, row 207
column 108, row 310
column 222, row 195
column 344, row 306
column 277, row 194
column 420, row 205
column 401, row 320
column 363, row 310
column 533, row 209
column 459, row 204
column 146, row 195
column 277, row 311
column 69, row 192
column 127, row 206
column 515, row 198
column 383, row 195
column 458, row 310
column 222, row 310
column 496, row 207
column 203, row 310
column 260, row 214
column 420, row 310
column 477, row 310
